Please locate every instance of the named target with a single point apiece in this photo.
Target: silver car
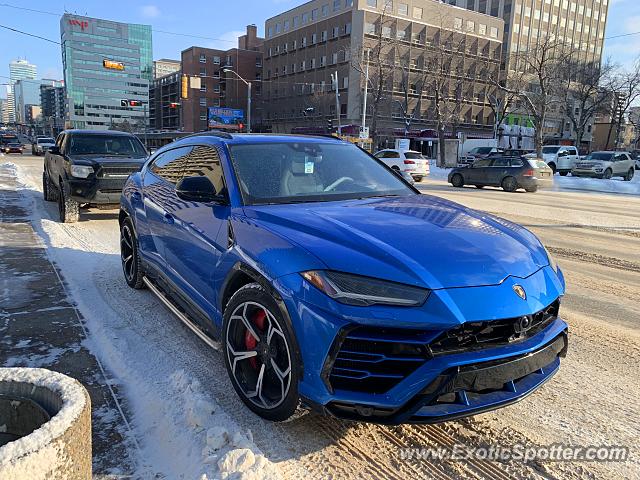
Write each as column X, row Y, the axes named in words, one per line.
column 605, row 165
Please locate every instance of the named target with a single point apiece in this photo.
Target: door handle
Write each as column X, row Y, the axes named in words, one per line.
column 168, row 218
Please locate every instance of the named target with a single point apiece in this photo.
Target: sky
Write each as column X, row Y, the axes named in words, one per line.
column 221, row 21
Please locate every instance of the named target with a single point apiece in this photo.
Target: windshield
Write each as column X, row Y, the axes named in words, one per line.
column 107, row 145
column 46, row 140
column 537, row 163
column 413, row 156
column 311, row 172
column 8, row 139
column 550, row 149
column 599, row 156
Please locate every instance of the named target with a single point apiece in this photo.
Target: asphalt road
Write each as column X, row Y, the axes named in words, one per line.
column 591, row 401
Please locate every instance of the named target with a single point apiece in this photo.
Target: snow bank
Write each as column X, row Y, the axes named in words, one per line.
column 615, row 185
column 61, row 445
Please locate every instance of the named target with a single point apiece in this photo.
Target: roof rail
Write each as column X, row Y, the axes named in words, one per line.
column 211, row 133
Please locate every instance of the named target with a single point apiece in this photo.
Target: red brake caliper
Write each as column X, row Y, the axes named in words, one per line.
column 250, row 342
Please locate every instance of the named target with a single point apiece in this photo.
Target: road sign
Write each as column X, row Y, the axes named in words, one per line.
column 364, row 133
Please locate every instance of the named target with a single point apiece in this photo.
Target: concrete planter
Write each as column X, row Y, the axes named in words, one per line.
column 46, row 419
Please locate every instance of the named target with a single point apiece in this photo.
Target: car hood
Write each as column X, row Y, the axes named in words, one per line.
column 418, row 239
column 97, row 159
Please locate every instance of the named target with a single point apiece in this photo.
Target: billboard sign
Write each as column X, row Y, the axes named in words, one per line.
column 110, row 64
column 224, row 117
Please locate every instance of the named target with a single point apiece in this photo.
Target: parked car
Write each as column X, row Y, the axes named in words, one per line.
column 512, row 152
column 89, row 167
column 606, row 165
column 636, row 157
column 407, row 161
column 13, row 147
column 305, row 258
column 560, row 158
column 510, row 173
column 41, row 145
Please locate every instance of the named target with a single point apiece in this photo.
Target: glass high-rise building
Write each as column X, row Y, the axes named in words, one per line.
column 18, row 70
column 107, row 70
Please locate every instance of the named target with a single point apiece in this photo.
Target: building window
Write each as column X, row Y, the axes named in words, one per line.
column 203, row 102
column 314, row 38
column 335, row 32
column 386, row 32
column 494, row 32
column 270, row 32
column 287, row 25
column 370, row 28
column 334, row 58
column 323, row 60
column 296, row 22
column 216, row 74
column 203, row 88
column 417, row 13
column 284, row 69
column 203, row 72
column 403, row 9
column 337, row 4
column 345, row 82
column 303, row 65
column 313, row 63
column 347, row 29
column 323, row 36
column 304, row 42
column 216, row 89
column 216, row 60
column 372, row 3
column 278, row 28
column 203, row 118
column 348, row 3
column 305, row 18
column 203, row 58
column 457, row 23
column 325, row 10
column 471, row 26
column 482, row 29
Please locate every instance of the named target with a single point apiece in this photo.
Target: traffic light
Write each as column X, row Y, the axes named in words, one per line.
column 173, row 105
column 241, row 126
column 330, row 124
column 135, row 103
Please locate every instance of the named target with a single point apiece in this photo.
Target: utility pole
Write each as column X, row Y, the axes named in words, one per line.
column 248, row 107
column 335, row 80
column 146, row 142
column 366, row 92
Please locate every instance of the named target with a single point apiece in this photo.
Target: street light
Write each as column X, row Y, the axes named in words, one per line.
column 248, row 84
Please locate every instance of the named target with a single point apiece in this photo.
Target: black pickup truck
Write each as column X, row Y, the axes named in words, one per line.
column 88, row 167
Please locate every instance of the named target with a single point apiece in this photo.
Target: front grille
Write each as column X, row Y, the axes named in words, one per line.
column 487, row 334
column 375, row 360
column 116, row 172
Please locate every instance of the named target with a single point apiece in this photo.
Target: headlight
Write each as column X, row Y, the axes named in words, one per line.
column 363, row 291
column 81, row 171
column 552, row 260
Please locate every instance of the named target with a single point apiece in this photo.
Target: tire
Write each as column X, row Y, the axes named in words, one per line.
column 509, row 184
column 608, row 173
column 68, row 209
column 553, row 167
column 130, row 256
column 629, row 176
column 564, row 174
column 418, row 179
column 249, row 357
column 532, row 189
column 479, row 186
column 457, row 180
column 48, row 190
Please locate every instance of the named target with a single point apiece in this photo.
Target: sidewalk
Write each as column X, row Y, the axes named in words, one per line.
column 40, row 327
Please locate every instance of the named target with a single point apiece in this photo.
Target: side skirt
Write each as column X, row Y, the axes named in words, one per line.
column 165, row 299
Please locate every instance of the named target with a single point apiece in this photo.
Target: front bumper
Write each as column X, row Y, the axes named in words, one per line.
column 323, row 330
column 96, row 191
column 592, row 173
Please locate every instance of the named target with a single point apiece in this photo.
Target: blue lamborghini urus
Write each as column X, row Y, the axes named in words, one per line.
column 330, row 282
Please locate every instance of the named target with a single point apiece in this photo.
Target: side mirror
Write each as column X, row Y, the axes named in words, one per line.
column 55, row 150
column 197, row 189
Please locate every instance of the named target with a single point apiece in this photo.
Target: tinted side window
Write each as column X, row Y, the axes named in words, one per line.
column 204, row 161
column 169, row 165
column 517, row 162
column 482, row 163
column 500, row 162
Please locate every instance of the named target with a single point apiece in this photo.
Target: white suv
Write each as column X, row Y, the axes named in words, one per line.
column 605, row 165
column 407, row 161
column 560, row 158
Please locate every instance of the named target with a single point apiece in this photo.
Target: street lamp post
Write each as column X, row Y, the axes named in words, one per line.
column 248, row 84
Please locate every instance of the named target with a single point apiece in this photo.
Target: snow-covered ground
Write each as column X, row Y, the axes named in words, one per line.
column 570, row 183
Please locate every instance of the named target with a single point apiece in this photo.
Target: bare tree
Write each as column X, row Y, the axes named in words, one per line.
column 626, row 92
column 377, row 54
column 535, row 75
column 586, row 93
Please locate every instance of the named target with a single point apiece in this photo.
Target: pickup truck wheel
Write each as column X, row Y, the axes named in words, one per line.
column 130, row 256
column 608, row 173
column 48, row 190
column 629, row 176
column 553, row 167
column 68, row 208
column 509, row 184
column 563, row 174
